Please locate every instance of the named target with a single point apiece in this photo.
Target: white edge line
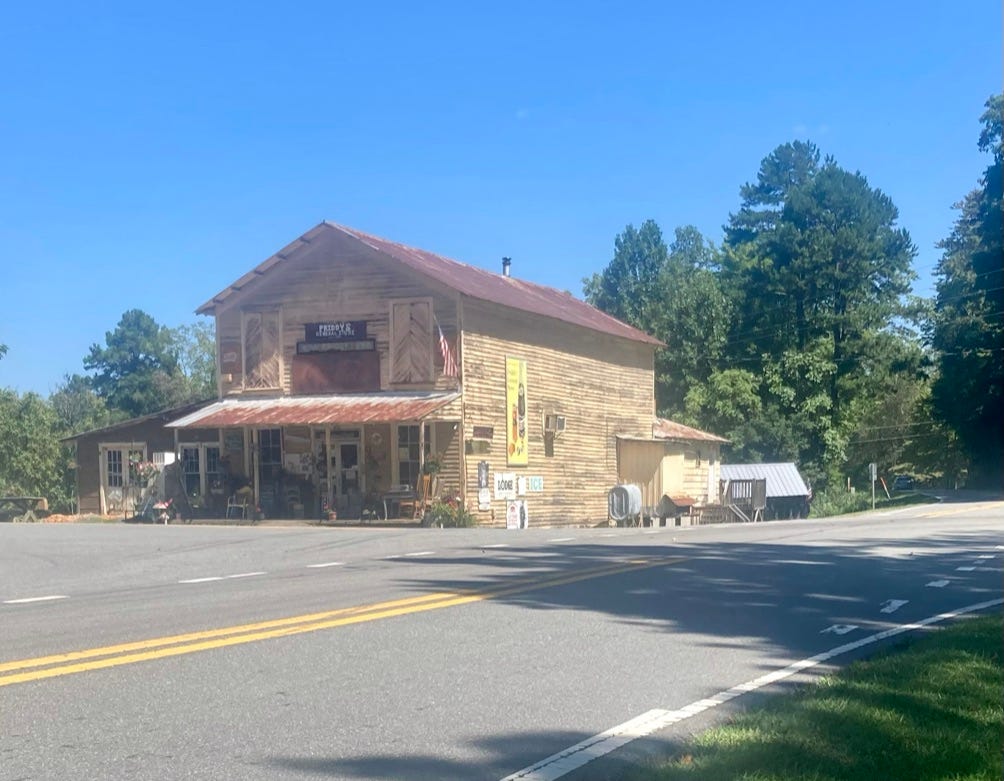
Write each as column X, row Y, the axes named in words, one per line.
column 325, row 564
column 26, row 600
column 246, row 575
column 581, row 753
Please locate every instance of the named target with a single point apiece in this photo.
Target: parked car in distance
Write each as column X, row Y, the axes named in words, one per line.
column 902, row 483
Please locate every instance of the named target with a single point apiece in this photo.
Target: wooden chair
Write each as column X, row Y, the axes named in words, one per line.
column 420, row 502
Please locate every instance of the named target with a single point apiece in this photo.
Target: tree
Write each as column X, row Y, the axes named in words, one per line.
column 195, row 346
column 672, row 293
column 137, row 371
column 691, row 317
column 32, row 461
column 629, row 287
column 817, row 268
column 968, row 326
column 77, row 407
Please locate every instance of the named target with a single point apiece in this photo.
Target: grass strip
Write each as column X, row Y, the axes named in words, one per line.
column 929, row 708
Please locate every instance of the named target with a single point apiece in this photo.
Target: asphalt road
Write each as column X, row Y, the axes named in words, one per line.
column 186, row 652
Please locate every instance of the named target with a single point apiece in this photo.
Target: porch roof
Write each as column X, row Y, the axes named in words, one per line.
column 383, row 407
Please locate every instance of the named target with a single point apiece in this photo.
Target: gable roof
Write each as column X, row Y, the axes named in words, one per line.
column 463, row 278
column 782, row 479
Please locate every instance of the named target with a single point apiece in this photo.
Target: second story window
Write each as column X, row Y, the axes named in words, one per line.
column 262, row 354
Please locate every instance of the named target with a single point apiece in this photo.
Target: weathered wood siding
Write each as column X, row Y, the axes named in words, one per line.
column 148, row 433
column 602, row 385
column 334, row 281
column 666, row 467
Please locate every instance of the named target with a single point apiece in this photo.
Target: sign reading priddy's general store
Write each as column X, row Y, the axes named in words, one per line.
column 338, row 331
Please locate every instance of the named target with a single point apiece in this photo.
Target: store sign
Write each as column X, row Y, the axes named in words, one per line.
column 505, row 485
column 337, row 331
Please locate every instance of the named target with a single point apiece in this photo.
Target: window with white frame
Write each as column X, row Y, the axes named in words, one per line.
column 409, row 464
column 200, row 469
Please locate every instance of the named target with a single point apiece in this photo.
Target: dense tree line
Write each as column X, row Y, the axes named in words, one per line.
column 798, row 338
column 142, row 368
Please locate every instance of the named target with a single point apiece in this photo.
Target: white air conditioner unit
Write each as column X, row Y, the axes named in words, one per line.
column 554, row 424
column 161, row 460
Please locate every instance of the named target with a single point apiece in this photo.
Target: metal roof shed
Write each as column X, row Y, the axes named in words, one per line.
column 783, row 480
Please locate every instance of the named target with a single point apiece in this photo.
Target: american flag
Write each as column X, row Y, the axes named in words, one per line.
column 450, row 368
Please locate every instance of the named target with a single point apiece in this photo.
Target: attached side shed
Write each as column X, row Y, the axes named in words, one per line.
column 678, row 462
column 103, row 457
column 788, row 495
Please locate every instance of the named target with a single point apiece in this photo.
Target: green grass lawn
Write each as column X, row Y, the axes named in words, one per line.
column 928, row 708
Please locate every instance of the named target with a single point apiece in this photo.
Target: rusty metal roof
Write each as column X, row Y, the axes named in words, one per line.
column 669, row 429
column 316, row 410
column 468, row 280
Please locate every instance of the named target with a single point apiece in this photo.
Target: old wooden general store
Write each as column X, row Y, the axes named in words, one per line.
column 361, row 377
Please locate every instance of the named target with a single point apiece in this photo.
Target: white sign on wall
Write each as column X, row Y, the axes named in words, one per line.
column 484, row 499
column 516, row 515
column 505, row 485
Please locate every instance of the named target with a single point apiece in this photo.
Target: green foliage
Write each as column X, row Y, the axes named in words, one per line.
column 137, row 370
column 145, row 367
column 77, row 407
column 195, row 346
column 818, row 271
column 448, row 513
column 672, row 293
column 628, row 288
column 837, row 500
column 968, row 324
column 32, row 460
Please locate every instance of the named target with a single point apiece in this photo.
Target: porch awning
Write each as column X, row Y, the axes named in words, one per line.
column 344, row 408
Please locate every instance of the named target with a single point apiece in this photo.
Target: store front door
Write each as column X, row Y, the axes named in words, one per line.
column 340, row 482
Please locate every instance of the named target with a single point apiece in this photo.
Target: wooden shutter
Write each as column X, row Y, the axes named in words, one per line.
column 411, row 342
column 261, row 350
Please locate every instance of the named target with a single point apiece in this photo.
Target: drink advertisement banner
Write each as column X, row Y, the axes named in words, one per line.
column 515, row 401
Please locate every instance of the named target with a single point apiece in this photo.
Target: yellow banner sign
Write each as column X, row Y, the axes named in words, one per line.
column 515, row 403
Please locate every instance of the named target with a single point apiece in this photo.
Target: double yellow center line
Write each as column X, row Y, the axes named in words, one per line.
column 42, row 667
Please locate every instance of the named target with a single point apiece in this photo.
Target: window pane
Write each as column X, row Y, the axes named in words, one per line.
column 113, row 462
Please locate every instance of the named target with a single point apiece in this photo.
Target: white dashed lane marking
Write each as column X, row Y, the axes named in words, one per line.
column 223, row 577
column 892, row 605
column 562, row 539
column 325, row 564
column 26, row 600
column 938, row 583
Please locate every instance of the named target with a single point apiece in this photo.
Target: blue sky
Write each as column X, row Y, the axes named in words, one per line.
column 153, row 153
